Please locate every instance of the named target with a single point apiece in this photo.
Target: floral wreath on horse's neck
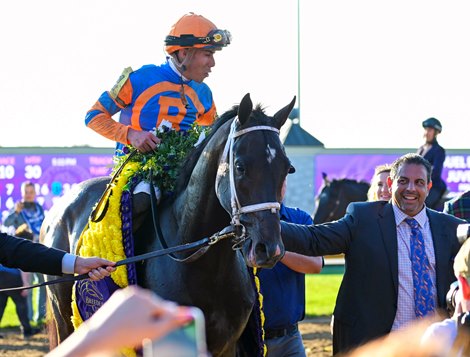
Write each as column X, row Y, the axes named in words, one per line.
column 161, row 166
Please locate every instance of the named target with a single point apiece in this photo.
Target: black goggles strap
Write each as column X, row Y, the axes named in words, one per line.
column 214, row 38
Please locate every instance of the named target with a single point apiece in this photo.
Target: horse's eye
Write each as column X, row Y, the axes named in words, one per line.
column 240, row 168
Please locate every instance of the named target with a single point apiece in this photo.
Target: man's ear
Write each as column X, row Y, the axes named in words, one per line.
column 429, row 185
column 389, row 182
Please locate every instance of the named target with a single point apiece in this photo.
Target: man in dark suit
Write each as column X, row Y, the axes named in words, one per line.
column 377, row 294
column 35, row 257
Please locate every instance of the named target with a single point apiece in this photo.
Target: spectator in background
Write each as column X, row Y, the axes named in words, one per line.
column 436, row 155
column 10, row 278
column 459, row 206
column 27, row 217
column 379, row 190
column 27, row 211
column 283, row 290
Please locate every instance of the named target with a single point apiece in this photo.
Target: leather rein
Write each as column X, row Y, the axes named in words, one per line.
column 202, row 245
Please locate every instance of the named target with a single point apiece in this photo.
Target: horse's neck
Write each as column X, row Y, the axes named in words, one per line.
column 197, row 209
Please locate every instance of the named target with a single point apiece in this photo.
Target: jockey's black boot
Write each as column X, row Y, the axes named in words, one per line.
column 140, row 209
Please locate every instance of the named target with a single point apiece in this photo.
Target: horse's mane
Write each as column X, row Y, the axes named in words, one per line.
column 191, row 160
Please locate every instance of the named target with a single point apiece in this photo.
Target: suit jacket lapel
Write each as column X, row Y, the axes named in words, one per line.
column 389, row 236
column 442, row 250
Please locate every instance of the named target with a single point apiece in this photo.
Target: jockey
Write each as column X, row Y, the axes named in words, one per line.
column 435, row 154
column 172, row 94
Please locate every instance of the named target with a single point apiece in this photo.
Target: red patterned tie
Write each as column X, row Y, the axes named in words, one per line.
column 422, row 283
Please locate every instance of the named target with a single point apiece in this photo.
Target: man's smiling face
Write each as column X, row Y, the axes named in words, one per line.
column 410, row 188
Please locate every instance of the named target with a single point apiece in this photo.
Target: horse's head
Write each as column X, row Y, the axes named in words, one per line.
column 326, row 202
column 249, row 181
column 335, row 196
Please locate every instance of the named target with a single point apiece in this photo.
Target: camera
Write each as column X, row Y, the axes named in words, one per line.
column 463, row 319
column 450, row 297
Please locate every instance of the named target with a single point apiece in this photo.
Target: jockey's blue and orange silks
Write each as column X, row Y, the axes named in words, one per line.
column 148, row 96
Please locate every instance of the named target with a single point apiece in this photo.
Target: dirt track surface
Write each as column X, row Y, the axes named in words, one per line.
column 315, row 332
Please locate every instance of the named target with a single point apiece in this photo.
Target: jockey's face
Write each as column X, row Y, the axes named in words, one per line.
column 198, row 63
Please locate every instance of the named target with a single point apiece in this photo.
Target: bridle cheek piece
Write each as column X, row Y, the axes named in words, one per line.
column 227, row 160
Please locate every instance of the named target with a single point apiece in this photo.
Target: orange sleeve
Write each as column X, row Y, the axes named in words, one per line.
column 105, row 125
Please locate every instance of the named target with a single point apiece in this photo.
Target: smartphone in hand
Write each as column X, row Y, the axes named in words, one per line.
column 186, row 341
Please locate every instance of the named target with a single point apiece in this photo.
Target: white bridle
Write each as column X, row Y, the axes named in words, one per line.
column 227, row 154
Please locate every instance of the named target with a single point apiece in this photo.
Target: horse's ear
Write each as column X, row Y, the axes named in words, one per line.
column 281, row 116
column 325, row 178
column 245, row 108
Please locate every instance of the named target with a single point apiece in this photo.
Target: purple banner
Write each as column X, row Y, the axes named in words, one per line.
column 456, row 171
column 52, row 174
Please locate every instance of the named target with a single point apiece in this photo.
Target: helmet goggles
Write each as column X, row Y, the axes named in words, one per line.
column 215, row 38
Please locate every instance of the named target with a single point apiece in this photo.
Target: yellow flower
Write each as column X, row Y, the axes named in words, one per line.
column 261, row 312
column 104, row 239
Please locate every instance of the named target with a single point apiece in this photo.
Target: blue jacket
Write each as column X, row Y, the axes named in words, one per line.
column 436, row 156
column 283, row 289
column 9, row 277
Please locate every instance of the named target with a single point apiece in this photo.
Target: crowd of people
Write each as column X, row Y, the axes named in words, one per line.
column 401, row 255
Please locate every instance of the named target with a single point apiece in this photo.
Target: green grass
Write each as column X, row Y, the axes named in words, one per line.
column 9, row 318
column 321, row 290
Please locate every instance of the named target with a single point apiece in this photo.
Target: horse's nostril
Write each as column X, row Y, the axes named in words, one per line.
column 260, row 250
column 263, row 253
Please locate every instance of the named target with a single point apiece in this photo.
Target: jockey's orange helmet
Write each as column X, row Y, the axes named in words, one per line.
column 195, row 31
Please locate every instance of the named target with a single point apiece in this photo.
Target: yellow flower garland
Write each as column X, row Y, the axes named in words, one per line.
column 104, row 239
column 261, row 306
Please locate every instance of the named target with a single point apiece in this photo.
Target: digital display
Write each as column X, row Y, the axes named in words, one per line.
column 52, row 174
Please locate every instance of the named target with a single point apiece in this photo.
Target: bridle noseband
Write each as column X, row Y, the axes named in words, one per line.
column 227, row 158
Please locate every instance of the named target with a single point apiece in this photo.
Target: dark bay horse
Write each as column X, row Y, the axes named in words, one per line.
column 335, row 196
column 233, row 177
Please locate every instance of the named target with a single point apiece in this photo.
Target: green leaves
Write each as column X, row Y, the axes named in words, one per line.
column 162, row 166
